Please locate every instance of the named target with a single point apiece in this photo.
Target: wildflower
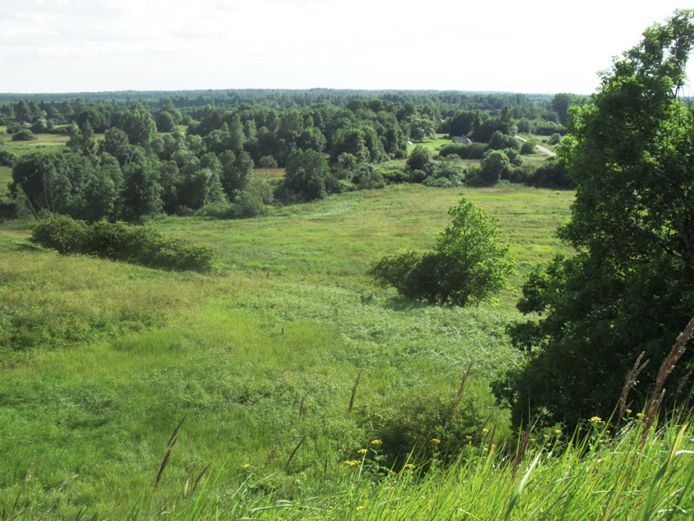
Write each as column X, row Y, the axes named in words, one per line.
column 362, row 451
column 557, row 432
column 640, row 415
column 485, row 430
column 436, row 441
column 408, row 466
column 360, row 508
column 376, row 442
column 392, row 473
column 546, row 436
column 596, row 420
column 352, row 462
column 246, row 466
column 629, row 411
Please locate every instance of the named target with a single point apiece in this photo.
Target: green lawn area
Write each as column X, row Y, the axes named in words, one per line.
column 268, row 173
column 46, row 142
column 100, row 360
column 433, row 145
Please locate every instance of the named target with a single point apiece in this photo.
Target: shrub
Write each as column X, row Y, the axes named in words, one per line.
column 528, row 147
column 552, row 174
column 248, row 204
column 501, row 141
column 451, row 149
column 122, row 242
column 420, row 164
column 554, row 139
column 392, row 172
column 368, row 178
column 7, row 158
column 494, row 166
column 23, row 134
column 61, row 233
column 466, row 265
column 425, row 427
column 473, row 151
column 450, row 171
column 267, row 162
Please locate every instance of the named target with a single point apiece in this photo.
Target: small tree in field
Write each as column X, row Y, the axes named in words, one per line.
column 467, row 263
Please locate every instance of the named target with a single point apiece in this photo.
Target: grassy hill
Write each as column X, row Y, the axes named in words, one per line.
column 101, row 359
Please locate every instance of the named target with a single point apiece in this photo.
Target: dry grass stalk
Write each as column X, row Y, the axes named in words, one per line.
column 461, row 389
column 522, row 448
column 169, row 449
column 301, row 405
column 630, row 381
column 354, row 392
column 200, row 476
column 666, row 368
column 298, row 445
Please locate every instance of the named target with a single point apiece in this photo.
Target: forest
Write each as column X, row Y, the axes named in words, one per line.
column 349, row 304
column 132, row 159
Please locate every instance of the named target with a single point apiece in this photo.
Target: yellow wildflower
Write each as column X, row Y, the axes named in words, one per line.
column 352, row 462
column 629, row 411
column 408, row 466
column 362, row 451
column 246, row 466
column 596, row 420
column 557, row 432
column 376, row 442
column 360, row 508
column 435, row 441
column 485, row 430
column 640, row 415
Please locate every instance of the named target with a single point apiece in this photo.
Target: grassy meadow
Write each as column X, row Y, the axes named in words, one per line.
column 100, row 360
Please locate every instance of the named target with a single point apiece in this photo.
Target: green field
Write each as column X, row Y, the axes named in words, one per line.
column 432, row 145
column 47, row 142
column 107, row 357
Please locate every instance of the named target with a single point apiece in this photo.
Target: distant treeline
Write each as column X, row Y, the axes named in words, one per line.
column 174, row 155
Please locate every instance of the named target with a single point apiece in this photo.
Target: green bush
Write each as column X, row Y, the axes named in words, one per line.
column 467, row 263
column 7, row 158
column 121, row 242
column 494, row 166
column 425, row 428
column 23, row 134
column 471, row 151
column 392, row 172
column 528, row 147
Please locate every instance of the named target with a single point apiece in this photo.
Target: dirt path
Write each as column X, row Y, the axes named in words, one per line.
column 543, row 150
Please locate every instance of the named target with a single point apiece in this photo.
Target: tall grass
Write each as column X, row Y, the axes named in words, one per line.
column 595, row 476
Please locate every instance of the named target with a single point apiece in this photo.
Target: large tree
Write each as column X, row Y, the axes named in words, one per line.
column 630, row 285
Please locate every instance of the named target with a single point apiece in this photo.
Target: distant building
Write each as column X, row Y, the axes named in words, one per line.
column 462, row 140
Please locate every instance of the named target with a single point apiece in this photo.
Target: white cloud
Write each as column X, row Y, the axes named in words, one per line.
column 532, row 46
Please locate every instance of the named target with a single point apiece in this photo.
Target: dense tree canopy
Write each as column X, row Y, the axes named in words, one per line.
column 630, row 286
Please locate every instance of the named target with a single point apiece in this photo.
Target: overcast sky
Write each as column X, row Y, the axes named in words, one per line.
column 519, row 46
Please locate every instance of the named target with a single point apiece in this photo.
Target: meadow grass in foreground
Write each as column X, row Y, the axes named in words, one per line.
column 594, row 476
column 99, row 360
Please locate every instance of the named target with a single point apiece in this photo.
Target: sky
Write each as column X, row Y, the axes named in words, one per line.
column 529, row 46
